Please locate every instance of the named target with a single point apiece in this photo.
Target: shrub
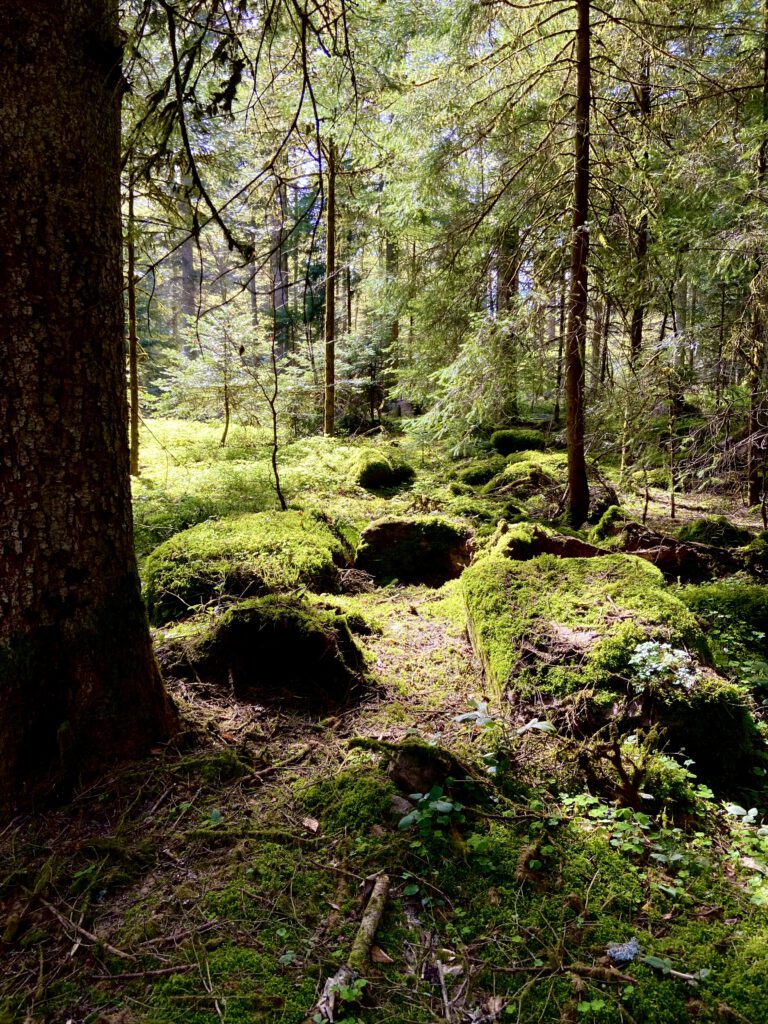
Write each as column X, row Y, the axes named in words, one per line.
column 517, row 439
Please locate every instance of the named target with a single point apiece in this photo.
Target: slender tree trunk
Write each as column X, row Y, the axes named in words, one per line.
column 507, row 289
column 578, row 487
column 606, row 337
column 560, row 351
column 79, row 686
column 641, row 238
column 597, row 342
column 329, row 412
column 755, row 455
column 133, row 340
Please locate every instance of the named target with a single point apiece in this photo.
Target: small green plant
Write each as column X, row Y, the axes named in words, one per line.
column 433, row 812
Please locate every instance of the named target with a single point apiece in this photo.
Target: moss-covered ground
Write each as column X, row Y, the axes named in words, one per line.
column 222, row 879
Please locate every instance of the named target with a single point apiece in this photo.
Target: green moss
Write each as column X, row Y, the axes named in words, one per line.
column 212, row 768
column 528, row 473
column 158, row 515
column 273, row 646
column 352, row 800
column 743, row 602
column 517, row 440
column 263, row 552
column 246, row 985
column 735, row 614
column 611, row 522
column 377, row 471
column 589, row 613
column 716, row 530
column 481, row 471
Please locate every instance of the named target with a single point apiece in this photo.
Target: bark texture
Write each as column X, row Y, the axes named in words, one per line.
column 578, row 488
column 78, row 682
column 329, row 410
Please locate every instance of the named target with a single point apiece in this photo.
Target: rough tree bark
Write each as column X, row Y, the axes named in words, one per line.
column 329, row 412
column 133, row 337
column 578, row 488
column 79, row 685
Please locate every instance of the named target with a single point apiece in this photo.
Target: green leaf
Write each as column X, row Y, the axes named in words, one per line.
column 665, row 966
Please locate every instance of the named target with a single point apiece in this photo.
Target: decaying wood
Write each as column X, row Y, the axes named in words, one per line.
column 359, row 956
column 685, row 560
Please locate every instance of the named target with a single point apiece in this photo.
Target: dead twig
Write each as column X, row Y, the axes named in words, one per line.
column 79, row 930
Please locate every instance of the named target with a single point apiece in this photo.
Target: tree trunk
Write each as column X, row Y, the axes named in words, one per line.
column 79, row 686
column 329, row 413
column 133, row 340
column 641, row 238
column 578, row 488
column 755, row 455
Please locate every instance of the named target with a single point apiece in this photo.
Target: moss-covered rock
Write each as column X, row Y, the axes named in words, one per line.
column 275, row 648
column 250, row 554
column 517, row 439
column 417, row 549
column 481, row 471
column 376, row 471
column 567, row 623
column 608, row 629
column 715, row 530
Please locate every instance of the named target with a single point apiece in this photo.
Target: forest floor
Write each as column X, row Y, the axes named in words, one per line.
column 224, row 878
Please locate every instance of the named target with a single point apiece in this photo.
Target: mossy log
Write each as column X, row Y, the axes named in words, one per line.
column 686, row 561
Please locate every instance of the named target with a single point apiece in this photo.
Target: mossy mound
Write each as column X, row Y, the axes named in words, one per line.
column 517, row 439
column 607, row 628
column 610, row 525
column 481, row 471
column 275, row 648
column 249, row 554
column 523, row 477
column 567, row 623
column 158, row 515
column 715, row 530
column 735, row 615
column 376, row 471
column 352, row 799
column 417, row 549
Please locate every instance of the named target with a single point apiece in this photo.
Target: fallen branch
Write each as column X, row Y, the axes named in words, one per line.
column 79, row 930
column 156, row 973
column 359, row 956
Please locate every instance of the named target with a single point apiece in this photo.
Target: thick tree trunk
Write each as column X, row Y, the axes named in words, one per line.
column 329, row 412
column 578, row 488
column 79, row 685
